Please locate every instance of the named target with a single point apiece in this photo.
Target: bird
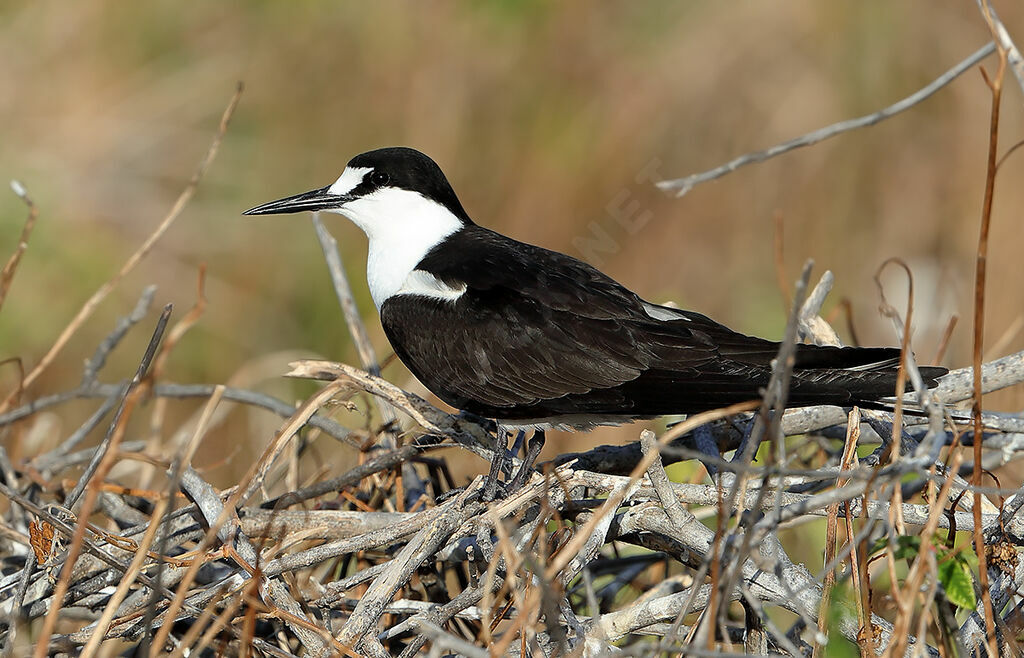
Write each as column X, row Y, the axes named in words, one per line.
column 536, row 339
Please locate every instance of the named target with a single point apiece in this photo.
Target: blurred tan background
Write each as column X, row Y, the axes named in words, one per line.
column 547, row 117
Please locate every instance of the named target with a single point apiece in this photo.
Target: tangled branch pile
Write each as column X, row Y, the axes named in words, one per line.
column 598, row 552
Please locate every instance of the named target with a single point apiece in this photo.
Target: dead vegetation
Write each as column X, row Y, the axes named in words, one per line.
column 600, row 553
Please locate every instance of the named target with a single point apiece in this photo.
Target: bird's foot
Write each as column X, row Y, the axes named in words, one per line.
column 499, row 464
column 486, row 423
column 532, row 452
column 493, row 488
column 483, row 495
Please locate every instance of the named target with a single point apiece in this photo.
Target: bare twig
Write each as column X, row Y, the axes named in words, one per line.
column 7, row 273
column 1002, row 37
column 427, row 541
column 291, row 565
column 106, row 461
column 93, row 302
column 106, row 445
column 656, row 472
column 681, row 186
column 427, row 416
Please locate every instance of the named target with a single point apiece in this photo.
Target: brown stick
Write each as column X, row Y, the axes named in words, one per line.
column 996, row 85
column 93, row 302
column 92, row 491
column 849, row 455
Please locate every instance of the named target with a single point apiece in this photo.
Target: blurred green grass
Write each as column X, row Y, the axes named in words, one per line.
column 540, row 113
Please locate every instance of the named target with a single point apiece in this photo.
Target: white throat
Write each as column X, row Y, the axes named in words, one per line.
column 401, row 226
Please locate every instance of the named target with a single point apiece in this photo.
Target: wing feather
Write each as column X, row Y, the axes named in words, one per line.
column 538, row 333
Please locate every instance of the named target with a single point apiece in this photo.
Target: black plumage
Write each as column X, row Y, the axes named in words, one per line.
column 518, row 333
column 540, row 335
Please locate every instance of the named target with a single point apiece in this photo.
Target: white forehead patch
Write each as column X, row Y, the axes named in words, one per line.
column 348, row 180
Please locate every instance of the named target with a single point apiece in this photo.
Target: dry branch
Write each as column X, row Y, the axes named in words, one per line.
column 93, row 302
column 284, row 543
column 7, row 273
column 595, row 548
column 681, row 186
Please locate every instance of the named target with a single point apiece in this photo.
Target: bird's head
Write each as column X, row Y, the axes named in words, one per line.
column 389, row 192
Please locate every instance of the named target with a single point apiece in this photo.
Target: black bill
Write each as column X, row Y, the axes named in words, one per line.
column 320, row 199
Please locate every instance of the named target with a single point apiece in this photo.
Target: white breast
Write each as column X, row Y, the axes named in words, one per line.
column 425, row 284
column 401, row 226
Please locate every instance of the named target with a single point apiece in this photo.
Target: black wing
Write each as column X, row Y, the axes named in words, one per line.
column 533, row 325
column 539, row 334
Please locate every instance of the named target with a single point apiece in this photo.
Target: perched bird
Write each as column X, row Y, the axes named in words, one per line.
column 534, row 338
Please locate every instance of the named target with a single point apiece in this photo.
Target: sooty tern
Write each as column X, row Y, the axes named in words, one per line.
column 536, row 338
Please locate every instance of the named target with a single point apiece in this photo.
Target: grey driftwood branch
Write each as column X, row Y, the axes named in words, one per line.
column 542, row 568
column 458, row 530
column 455, row 523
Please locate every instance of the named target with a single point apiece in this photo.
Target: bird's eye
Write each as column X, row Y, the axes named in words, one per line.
column 380, row 178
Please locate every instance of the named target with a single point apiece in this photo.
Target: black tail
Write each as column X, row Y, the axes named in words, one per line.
column 862, row 376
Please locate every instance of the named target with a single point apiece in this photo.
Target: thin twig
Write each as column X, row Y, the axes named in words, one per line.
column 7, row 273
column 681, row 186
column 97, row 297
column 996, row 86
column 103, row 466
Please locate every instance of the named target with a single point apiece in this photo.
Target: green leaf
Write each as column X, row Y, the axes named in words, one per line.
column 967, row 557
column 956, row 579
column 907, row 547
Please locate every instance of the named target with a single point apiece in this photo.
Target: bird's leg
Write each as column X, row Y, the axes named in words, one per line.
column 517, row 443
column 532, row 452
column 497, row 466
column 745, row 439
column 727, row 478
column 705, row 442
